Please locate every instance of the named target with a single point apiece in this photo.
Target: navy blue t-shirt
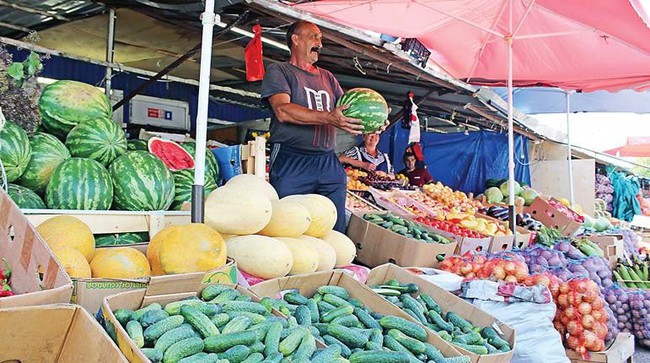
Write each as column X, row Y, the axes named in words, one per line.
column 316, row 91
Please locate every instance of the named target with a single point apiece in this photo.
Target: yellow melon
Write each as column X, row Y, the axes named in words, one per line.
column 322, row 212
column 192, row 247
column 120, row 263
column 345, row 249
column 254, row 182
column 326, row 253
column 260, row 256
column 305, row 257
column 153, row 249
column 288, row 219
column 68, row 231
column 72, row 261
column 237, row 210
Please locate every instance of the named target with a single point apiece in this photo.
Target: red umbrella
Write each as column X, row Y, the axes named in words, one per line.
column 634, row 147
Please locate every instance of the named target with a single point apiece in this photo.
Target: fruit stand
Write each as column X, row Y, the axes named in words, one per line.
column 98, row 225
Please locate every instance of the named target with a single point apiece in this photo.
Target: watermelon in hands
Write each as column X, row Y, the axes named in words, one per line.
column 366, row 105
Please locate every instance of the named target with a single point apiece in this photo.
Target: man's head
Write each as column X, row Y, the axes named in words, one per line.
column 304, row 39
column 409, row 161
column 371, row 140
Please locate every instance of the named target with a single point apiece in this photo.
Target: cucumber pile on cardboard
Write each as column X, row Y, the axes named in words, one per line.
column 405, row 227
column 450, row 326
column 361, row 335
column 222, row 325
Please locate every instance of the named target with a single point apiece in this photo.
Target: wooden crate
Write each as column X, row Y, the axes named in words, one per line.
column 253, row 155
column 620, row 351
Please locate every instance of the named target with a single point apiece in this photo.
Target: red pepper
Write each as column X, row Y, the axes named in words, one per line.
column 5, row 274
column 4, row 293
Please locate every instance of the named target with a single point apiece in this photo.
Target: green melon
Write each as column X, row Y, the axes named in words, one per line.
column 15, row 150
column 116, row 239
column 25, row 198
column 141, row 182
column 100, row 139
column 79, row 183
column 64, row 104
column 48, row 153
column 137, row 144
column 367, row 105
column 183, row 180
column 211, row 166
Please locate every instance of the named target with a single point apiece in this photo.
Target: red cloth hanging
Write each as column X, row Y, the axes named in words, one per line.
column 253, row 56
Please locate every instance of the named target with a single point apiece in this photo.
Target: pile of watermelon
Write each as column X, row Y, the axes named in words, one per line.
column 81, row 160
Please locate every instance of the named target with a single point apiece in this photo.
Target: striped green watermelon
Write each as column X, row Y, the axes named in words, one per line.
column 137, row 144
column 15, row 150
column 211, row 166
column 79, row 183
column 367, row 105
column 183, row 180
column 115, row 239
column 141, row 182
column 25, row 198
column 48, row 152
column 100, row 139
column 64, row 104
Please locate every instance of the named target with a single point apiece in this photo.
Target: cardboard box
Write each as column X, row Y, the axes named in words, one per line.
column 89, row 293
column 113, row 221
column 377, row 245
column 162, row 290
column 499, row 243
column 383, row 199
column 549, row 216
column 54, row 333
column 620, row 351
column 448, row 302
column 523, row 238
column 611, row 244
column 472, row 245
column 309, row 283
column 37, row 278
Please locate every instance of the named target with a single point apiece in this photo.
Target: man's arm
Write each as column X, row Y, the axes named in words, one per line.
column 427, row 177
column 286, row 111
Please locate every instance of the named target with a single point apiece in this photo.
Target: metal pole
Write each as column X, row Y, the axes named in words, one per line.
column 208, row 19
column 511, row 139
column 568, row 145
column 110, row 50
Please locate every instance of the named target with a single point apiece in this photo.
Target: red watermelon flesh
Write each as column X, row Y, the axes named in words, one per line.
column 171, row 153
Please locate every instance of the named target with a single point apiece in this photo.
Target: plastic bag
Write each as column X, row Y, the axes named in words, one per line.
column 639, row 307
column 537, row 340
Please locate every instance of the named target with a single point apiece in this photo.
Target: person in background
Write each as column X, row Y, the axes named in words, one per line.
column 417, row 176
column 367, row 156
column 303, row 98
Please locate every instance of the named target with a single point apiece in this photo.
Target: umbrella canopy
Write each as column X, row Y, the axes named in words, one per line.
column 568, row 44
column 634, row 147
column 533, row 100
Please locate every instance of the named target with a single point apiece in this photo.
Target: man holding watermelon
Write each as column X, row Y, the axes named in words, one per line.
column 305, row 117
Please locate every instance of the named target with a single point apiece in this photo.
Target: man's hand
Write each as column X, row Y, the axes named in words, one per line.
column 339, row 120
column 385, row 125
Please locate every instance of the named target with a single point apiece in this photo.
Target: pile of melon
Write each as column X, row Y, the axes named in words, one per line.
column 271, row 237
column 193, row 247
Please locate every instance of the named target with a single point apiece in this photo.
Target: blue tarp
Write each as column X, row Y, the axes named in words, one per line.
column 462, row 162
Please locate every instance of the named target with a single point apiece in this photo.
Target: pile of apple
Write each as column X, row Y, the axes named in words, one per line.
column 455, row 200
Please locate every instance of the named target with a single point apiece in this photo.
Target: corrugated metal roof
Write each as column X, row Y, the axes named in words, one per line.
column 36, row 15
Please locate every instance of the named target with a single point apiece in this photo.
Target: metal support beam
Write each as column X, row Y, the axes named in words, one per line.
column 15, row 27
column 110, row 50
column 27, row 9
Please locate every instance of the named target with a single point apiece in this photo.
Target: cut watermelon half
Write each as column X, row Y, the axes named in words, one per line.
column 171, row 153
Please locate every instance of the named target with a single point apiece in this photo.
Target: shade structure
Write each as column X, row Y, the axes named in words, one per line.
column 570, row 44
column 634, row 147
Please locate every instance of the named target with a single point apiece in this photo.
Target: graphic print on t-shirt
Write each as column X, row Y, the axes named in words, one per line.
column 320, row 101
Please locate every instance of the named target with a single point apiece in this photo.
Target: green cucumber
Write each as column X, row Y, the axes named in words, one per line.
column 379, row 357
column 272, row 339
column 155, row 331
column 213, row 291
column 324, row 307
column 337, row 312
column 201, row 357
column 236, row 354
column 237, row 324
column 313, row 311
column 348, row 336
column 274, row 358
column 289, row 344
column 254, row 317
column 430, row 303
column 257, row 347
column 181, row 349
column 436, row 319
column 138, row 313
column 335, row 300
column 175, row 335
column 306, row 348
column 199, row 321
column 458, row 321
column 295, row 298
column 334, row 290
column 303, row 315
column 476, row 349
column 347, row 320
column 152, row 316
column 413, row 345
column 227, row 295
column 153, row 354
column 134, row 330
column 407, row 327
column 123, row 315
column 174, row 308
column 220, row 320
column 251, row 307
column 330, row 340
column 327, row 355
column 254, row 358
column 223, row 342
column 366, row 319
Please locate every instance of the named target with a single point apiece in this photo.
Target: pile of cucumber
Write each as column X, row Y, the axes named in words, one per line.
column 405, row 227
column 450, row 326
column 355, row 332
column 223, row 326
